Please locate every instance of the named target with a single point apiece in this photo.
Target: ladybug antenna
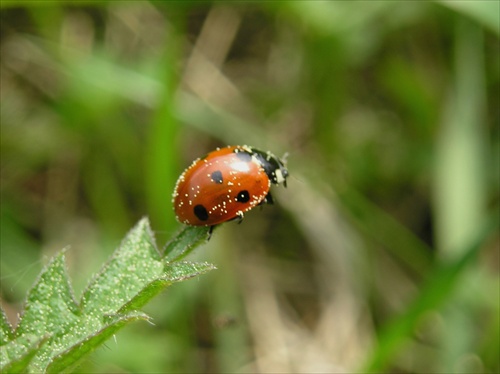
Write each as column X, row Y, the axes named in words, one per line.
column 284, row 159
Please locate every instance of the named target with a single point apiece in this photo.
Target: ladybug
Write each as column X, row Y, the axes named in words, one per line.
column 225, row 184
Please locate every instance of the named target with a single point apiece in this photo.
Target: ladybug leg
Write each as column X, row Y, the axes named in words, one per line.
column 268, row 199
column 210, row 231
column 239, row 217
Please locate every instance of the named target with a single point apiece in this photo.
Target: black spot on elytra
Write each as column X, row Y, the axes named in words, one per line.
column 244, row 156
column 243, row 196
column 200, row 212
column 217, row 177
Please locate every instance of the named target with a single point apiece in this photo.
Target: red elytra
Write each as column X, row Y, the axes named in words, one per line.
column 225, row 184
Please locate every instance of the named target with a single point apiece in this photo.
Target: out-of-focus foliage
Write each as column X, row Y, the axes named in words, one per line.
column 379, row 256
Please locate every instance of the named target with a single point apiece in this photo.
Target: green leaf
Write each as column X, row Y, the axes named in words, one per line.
column 70, row 357
column 134, row 264
column 55, row 332
column 184, row 242
column 180, row 271
column 6, row 332
column 16, row 355
column 174, row 272
column 50, row 302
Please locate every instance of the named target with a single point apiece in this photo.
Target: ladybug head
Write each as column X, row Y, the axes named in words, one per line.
column 273, row 166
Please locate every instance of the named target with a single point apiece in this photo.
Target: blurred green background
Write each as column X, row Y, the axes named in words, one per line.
column 377, row 257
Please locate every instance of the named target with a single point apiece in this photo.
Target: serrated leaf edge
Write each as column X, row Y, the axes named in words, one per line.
column 143, row 223
column 59, row 256
column 7, row 328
